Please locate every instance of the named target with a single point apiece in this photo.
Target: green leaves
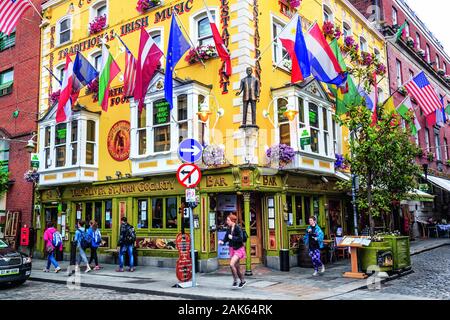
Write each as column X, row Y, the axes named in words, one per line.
column 4, row 179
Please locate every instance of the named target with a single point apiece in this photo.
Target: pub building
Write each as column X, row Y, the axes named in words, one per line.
column 105, row 165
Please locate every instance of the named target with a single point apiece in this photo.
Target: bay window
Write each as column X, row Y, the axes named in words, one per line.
column 47, row 143
column 60, row 144
column 142, row 132
column 314, row 124
column 74, row 142
column 90, row 142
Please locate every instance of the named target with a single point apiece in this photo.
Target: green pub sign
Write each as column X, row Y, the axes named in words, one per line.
column 161, row 112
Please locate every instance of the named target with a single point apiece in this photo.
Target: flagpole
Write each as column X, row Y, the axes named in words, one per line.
column 192, row 43
column 51, row 73
column 31, row 3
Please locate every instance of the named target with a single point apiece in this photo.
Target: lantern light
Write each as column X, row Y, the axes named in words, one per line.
column 204, row 112
column 290, row 113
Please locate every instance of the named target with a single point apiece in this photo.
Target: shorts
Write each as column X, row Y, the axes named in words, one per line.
column 240, row 253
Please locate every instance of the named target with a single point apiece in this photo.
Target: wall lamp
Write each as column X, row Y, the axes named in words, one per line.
column 118, row 174
column 290, row 112
column 31, row 144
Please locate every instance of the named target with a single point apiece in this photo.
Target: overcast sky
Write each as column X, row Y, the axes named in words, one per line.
column 435, row 14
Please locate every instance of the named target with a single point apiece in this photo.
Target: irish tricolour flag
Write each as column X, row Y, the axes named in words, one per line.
column 403, row 109
column 108, row 72
column 294, row 43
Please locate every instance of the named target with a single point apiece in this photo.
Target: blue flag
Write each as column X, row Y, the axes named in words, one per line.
column 83, row 70
column 178, row 45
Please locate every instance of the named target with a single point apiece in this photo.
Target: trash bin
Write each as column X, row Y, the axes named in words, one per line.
column 197, row 266
column 284, row 260
column 127, row 258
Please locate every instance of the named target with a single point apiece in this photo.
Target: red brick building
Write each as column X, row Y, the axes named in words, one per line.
column 418, row 50
column 19, row 86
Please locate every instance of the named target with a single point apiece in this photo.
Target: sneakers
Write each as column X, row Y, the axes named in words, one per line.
column 46, row 270
column 323, row 269
column 235, row 284
column 119, row 270
column 57, row 270
column 242, row 284
column 97, row 268
column 88, row 268
column 315, row 273
column 132, row 269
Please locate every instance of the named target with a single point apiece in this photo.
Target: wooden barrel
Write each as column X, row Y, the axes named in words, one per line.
column 304, row 260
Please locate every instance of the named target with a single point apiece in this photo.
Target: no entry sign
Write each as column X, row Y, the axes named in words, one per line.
column 189, row 175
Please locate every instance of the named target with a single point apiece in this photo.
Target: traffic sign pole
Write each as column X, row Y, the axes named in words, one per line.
column 191, row 222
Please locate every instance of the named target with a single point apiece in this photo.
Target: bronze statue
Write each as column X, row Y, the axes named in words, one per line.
column 250, row 87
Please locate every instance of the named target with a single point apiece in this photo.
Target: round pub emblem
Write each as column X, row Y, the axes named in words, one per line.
column 119, row 141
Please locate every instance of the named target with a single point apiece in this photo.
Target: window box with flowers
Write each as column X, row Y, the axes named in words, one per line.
column 421, row 53
column 280, row 155
column 98, row 24
column 430, row 156
column 214, row 155
column 366, row 58
column 340, row 163
column 54, row 97
column 202, row 52
column 295, row 3
column 143, row 6
column 410, row 42
column 380, row 69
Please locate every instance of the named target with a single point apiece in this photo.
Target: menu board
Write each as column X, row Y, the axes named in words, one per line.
column 355, row 241
column 161, row 112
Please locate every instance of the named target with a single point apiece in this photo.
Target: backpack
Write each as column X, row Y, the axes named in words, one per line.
column 96, row 239
column 85, row 239
column 130, row 236
column 244, row 236
column 57, row 239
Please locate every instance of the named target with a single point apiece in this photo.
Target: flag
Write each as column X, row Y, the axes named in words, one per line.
column 83, row 70
column 129, row 79
column 324, row 65
column 403, row 109
column 420, row 88
column 10, row 13
column 375, row 97
column 294, row 43
column 108, row 72
column 222, row 50
column 178, row 45
column 148, row 61
column 401, row 31
column 64, row 109
column 442, row 111
column 431, row 119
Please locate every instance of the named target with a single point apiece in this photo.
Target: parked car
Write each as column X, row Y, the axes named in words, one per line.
column 15, row 267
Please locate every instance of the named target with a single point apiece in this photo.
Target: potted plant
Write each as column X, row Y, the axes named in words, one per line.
column 447, row 78
column 366, row 58
column 143, row 5
column 54, row 97
column 280, row 155
column 295, row 3
column 340, row 163
column 97, row 25
column 410, row 42
column 93, row 88
column 202, row 52
column 328, row 29
column 402, row 91
column 421, row 52
column 214, row 155
column 4, row 181
column 337, row 33
column 430, row 156
column 380, row 69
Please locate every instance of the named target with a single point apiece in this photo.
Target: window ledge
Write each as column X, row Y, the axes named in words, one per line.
column 150, row 156
column 315, row 155
column 63, row 44
column 67, row 168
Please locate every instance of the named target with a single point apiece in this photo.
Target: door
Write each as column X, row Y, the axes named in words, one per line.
column 51, row 215
column 255, row 236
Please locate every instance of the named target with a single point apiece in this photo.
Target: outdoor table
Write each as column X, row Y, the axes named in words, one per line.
column 445, row 228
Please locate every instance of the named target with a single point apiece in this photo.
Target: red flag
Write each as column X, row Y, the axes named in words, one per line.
column 222, row 50
column 148, row 61
column 64, row 110
column 431, row 119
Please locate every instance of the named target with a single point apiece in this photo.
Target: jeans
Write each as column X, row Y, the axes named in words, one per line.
column 82, row 256
column 94, row 256
column 126, row 248
column 51, row 260
column 315, row 256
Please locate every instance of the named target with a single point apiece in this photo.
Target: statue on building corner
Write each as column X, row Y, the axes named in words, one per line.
column 250, row 90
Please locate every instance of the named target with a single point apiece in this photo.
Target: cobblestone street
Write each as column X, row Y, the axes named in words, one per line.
column 430, row 280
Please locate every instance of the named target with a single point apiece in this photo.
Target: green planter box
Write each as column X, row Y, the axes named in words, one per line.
column 371, row 257
column 400, row 250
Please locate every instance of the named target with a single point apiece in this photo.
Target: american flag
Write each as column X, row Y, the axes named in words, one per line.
column 421, row 89
column 129, row 78
column 10, row 12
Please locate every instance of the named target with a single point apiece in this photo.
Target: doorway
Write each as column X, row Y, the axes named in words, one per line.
column 255, row 235
column 51, row 215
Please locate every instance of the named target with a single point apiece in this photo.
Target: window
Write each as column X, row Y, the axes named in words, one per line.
column 394, row 16
column 161, row 126
column 157, row 213
column 142, row 214
column 4, row 155
column 363, row 44
column 377, row 53
column 204, row 32
column 279, row 53
column 446, row 149
column 314, row 123
column 428, row 53
column 399, row 73
column 59, row 73
column 102, row 11
column 444, row 67
column 407, row 31
column 100, row 211
column 7, row 41
column 380, row 95
column 438, row 146
column 201, row 125
column 418, row 44
column 427, row 139
column 99, row 9
column 47, row 143
column 90, row 142
column 411, row 74
column 182, row 117
column 64, row 31
column 326, row 135
column 6, row 82
column 74, row 142
column 305, row 206
column 60, row 144
column 108, row 214
column 438, row 62
column 171, row 213
column 97, row 61
column 142, row 132
column 327, row 14
column 283, row 122
column 98, row 206
column 299, row 211
column 347, row 30
column 301, row 112
column 335, row 137
column 163, row 212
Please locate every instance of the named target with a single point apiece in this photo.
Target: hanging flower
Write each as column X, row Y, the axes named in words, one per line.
column 202, row 52
column 31, row 176
column 92, row 87
column 54, row 97
column 366, row 58
column 98, row 24
column 144, row 5
column 337, row 33
column 328, row 29
column 295, row 3
column 340, row 162
column 214, row 155
column 380, row 69
column 349, row 41
column 280, row 154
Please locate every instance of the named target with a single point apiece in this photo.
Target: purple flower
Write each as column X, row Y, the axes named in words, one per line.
column 340, row 162
column 54, row 97
column 349, row 41
column 295, row 3
column 281, row 154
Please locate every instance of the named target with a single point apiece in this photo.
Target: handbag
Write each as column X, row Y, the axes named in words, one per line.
column 49, row 248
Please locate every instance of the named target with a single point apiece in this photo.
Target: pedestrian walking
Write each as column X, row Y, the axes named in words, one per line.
column 96, row 236
column 313, row 239
column 126, row 244
column 83, row 242
column 52, row 242
column 235, row 237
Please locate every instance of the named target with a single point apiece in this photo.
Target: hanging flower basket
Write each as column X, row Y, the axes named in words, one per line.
column 203, row 52
column 328, row 29
column 366, row 58
column 31, row 176
column 340, row 163
column 214, row 155
column 280, row 155
column 295, row 3
column 54, row 97
column 430, row 156
column 97, row 25
column 143, row 5
column 380, row 69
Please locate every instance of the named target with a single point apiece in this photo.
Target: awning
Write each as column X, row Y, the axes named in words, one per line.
column 439, row 182
column 343, row 176
column 417, row 195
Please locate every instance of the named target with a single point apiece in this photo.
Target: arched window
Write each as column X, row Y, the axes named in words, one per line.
column 327, row 14
column 64, row 31
column 347, row 30
column 418, row 41
column 363, row 44
column 204, row 32
column 100, row 8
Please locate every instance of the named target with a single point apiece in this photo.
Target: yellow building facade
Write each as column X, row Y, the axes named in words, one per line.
column 105, row 165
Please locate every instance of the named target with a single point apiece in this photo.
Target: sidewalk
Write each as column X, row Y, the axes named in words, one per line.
column 264, row 284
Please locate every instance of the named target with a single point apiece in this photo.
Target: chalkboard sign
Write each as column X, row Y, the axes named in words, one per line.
column 161, row 112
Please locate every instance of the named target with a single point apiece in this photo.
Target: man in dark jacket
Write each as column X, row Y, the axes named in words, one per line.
column 127, row 238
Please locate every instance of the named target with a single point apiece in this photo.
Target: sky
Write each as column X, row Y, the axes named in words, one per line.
column 435, row 15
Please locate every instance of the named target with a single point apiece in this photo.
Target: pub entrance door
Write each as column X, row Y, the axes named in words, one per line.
column 255, row 236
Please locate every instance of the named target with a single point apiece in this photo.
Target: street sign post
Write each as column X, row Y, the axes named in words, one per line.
column 190, row 195
column 189, row 175
column 190, row 151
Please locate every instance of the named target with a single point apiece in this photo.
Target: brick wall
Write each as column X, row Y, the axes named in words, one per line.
column 24, row 58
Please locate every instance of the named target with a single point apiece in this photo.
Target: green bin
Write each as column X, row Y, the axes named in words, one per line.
column 374, row 255
column 400, row 250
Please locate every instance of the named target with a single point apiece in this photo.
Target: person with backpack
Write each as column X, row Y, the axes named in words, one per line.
column 313, row 239
column 52, row 241
column 83, row 241
column 96, row 236
column 236, row 238
column 126, row 244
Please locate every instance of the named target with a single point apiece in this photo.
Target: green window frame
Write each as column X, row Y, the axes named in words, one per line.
column 6, row 82
column 100, row 210
column 302, row 207
column 7, row 41
column 158, row 213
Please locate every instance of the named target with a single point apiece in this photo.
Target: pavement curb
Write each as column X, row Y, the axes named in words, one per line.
column 430, row 248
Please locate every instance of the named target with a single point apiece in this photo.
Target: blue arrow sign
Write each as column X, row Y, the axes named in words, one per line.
column 190, row 150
